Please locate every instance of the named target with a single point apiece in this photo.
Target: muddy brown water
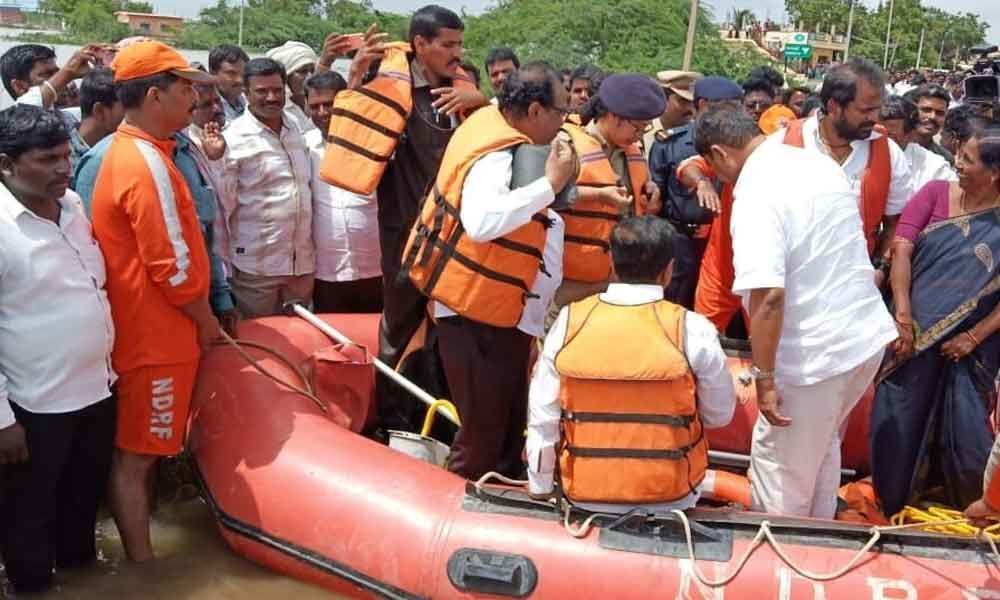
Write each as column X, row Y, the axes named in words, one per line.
column 193, row 562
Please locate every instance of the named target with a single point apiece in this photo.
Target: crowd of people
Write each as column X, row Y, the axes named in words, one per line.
column 561, row 258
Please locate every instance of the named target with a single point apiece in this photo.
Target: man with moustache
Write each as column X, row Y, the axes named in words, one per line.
column 158, row 277
column 439, row 101
column 57, row 413
column 845, row 132
column 226, row 63
column 197, row 150
column 932, row 107
column 265, row 225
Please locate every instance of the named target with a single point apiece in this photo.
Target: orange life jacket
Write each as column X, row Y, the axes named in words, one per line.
column 875, row 181
column 587, row 249
column 367, row 122
column 489, row 281
column 630, row 426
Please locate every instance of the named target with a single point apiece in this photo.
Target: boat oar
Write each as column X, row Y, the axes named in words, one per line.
column 386, row 370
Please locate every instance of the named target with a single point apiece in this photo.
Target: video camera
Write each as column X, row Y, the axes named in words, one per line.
column 983, row 87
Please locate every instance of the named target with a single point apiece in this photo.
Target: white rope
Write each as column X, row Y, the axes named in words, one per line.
column 501, row 478
column 765, row 533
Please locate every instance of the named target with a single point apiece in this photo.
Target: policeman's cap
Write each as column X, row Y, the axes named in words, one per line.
column 715, row 89
column 633, row 96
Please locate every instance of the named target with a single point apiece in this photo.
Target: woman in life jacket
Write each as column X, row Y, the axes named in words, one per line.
column 613, row 181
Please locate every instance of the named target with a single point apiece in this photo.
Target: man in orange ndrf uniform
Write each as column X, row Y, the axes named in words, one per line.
column 158, row 276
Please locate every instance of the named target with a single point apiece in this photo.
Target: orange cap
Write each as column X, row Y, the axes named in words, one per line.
column 775, row 118
column 148, row 58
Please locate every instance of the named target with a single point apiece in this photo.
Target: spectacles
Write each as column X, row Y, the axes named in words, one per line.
column 640, row 126
column 758, row 104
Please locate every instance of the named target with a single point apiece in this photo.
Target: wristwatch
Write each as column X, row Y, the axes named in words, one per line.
column 757, row 374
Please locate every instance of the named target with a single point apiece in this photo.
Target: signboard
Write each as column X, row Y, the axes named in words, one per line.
column 798, row 51
column 799, row 38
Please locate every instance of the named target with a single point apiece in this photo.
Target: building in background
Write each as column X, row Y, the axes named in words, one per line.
column 157, row 26
column 11, row 14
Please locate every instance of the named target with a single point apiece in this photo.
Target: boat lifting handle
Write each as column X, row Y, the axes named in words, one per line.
column 497, row 573
column 432, row 411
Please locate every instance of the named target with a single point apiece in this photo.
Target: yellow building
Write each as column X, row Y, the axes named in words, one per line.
column 145, row 24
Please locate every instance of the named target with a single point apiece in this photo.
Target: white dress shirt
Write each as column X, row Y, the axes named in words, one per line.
column 345, row 225
column 927, row 166
column 715, row 393
column 490, row 209
column 900, row 188
column 56, row 332
column 804, row 236
column 265, row 225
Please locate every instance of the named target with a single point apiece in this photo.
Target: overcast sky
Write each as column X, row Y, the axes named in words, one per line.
column 989, row 10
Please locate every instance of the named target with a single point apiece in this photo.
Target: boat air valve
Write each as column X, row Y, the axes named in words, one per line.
column 487, row 572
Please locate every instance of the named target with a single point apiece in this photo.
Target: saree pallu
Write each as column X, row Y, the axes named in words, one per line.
column 930, row 422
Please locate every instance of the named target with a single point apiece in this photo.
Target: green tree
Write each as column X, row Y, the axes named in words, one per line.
column 629, row 35
column 93, row 21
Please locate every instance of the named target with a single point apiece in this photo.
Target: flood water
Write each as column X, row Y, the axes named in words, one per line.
column 193, row 563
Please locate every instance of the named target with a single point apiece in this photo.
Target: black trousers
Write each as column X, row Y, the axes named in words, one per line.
column 487, row 372
column 358, row 296
column 49, row 507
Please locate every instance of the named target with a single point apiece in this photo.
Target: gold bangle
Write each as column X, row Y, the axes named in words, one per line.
column 972, row 337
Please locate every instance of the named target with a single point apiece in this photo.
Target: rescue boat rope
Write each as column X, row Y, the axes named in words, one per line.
column 238, row 345
column 765, row 533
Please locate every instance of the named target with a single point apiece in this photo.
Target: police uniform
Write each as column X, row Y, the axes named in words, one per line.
column 680, row 204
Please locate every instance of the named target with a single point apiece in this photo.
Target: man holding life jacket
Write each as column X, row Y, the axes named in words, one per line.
column 818, row 323
column 627, row 427
column 490, row 258
column 411, row 96
column 845, row 131
column 613, row 179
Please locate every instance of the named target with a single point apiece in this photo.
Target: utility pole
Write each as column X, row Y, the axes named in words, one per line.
column 941, row 53
column 850, row 27
column 920, row 47
column 888, row 35
column 240, row 35
column 692, row 27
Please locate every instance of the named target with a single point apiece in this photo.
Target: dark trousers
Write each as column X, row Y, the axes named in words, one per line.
column 487, row 372
column 688, row 252
column 49, row 507
column 358, row 296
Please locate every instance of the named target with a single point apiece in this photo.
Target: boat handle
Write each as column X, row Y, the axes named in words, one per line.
column 497, row 573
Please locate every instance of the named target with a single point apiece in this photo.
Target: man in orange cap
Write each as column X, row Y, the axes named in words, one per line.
column 158, row 276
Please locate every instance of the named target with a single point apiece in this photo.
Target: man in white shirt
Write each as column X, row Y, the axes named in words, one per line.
column 299, row 61
column 345, row 224
column 642, row 249
column 818, row 324
column 265, row 228
column 844, row 131
column 899, row 118
column 491, row 294
column 57, row 417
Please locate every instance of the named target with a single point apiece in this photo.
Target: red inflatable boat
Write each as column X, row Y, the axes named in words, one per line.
column 298, row 490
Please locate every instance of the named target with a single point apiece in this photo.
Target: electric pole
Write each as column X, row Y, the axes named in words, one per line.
column 692, row 27
column 850, row 28
column 888, row 35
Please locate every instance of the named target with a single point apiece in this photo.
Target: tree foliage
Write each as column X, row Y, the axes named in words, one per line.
column 957, row 31
column 627, row 35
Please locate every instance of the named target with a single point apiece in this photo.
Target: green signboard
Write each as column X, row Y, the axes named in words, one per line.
column 798, row 51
